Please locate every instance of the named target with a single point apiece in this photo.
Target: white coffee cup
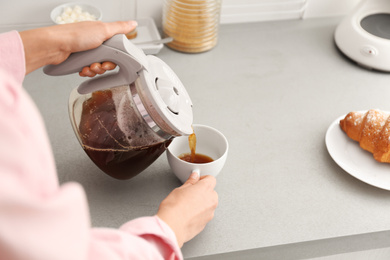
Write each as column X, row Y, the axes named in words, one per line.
column 210, row 142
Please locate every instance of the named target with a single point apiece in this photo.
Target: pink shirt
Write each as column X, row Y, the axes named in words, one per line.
column 40, row 220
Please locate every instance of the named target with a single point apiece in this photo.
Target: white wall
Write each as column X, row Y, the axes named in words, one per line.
column 321, row 8
column 234, row 11
column 37, row 12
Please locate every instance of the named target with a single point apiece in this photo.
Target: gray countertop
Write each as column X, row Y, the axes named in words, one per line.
column 273, row 89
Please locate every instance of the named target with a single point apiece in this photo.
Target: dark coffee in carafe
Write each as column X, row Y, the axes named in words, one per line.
column 114, row 135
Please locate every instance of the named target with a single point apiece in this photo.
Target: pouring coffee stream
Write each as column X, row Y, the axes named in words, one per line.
column 125, row 120
column 194, row 157
column 192, row 143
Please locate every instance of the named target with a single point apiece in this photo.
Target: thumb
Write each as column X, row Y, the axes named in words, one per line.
column 121, row 27
column 194, row 178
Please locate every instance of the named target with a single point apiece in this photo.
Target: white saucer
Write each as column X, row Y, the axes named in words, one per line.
column 354, row 160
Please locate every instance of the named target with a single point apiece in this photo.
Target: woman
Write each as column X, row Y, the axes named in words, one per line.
column 39, row 219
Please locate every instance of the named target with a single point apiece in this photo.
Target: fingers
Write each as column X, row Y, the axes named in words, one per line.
column 107, row 65
column 194, row 178
column 209, row 180
column 97, row 68
column 120, row 27
column 87, row 72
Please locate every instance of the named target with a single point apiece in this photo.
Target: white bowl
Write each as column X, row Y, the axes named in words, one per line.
column 92, row 10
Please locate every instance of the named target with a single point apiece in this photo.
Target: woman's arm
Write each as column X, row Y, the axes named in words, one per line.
column 40, row 219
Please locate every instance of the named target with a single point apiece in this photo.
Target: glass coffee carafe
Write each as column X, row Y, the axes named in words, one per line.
column 126, row 119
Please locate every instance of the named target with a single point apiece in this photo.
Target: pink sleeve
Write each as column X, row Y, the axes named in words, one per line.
column 40, row 219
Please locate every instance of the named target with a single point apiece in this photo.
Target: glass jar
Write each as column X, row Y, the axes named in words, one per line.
column 193, row 24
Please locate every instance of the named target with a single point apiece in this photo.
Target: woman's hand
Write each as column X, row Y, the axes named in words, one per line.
column 54, row 44
column 189, row 208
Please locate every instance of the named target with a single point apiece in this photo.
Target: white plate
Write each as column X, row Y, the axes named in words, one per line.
column 354, row 160
column 146, row 32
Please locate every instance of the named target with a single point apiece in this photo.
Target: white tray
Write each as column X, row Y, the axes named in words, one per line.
column 147, row 31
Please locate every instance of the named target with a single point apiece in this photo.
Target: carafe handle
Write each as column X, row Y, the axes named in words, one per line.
column 119, row 50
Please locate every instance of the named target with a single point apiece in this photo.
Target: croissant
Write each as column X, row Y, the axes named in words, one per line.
column 372, row 130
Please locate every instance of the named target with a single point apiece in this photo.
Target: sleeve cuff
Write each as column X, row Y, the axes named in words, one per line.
column 154, row 226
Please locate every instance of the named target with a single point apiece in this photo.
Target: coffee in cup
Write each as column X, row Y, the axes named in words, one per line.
column 210, row 142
